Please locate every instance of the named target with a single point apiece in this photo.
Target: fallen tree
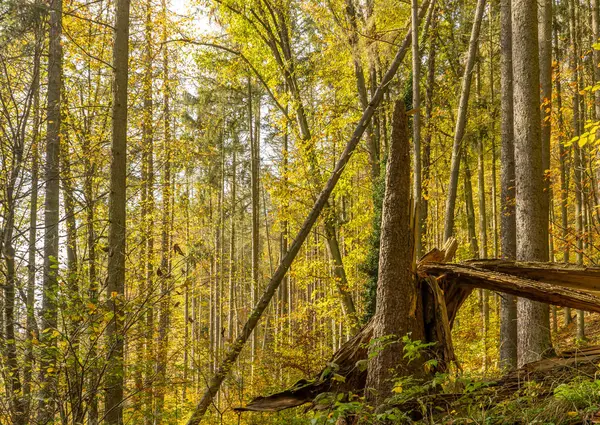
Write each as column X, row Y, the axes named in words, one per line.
column 445, row 287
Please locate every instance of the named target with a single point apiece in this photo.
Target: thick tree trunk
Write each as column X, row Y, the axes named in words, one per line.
column 115, row 284
column 461, row 121
column 396, row 285
column 532, row 221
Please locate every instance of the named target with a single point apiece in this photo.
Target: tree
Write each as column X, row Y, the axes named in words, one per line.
column 531, row 221
column 117, row 209
column 396, row 286
column 51, row 218
column 508, row 325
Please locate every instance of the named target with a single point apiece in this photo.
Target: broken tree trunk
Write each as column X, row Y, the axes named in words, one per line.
column 558, row 284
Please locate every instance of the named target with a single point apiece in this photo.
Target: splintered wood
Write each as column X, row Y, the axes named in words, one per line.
column 449, row 286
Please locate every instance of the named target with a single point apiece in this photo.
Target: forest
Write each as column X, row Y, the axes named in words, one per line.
column 299, row 212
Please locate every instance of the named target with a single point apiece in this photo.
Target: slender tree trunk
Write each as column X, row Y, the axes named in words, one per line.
column 532, row 221
column 545, row 52
column 483, row 249
column 32, row 329
column 563, row 165
column 232, row 265
column 166, row 279
column 255, row 195
column 508, row 319
column 143, row 372
column 51, row 219
column 461, row 120
column 470, row 209
column 577, row 151
column 416, row 95
column 92, row 381
column 115, row 284
column 424, row 210
column 596, row 75
column 72, row 301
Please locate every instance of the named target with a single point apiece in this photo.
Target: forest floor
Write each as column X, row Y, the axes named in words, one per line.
column 565, row 338
column 560, row 390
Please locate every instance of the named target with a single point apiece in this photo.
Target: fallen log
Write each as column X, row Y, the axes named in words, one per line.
column 546, row 282
column 537, row 290
column 569, row 275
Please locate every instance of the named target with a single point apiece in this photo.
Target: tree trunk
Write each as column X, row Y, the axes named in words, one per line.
column 145, row 372
column 424, row 210
column 416, row 98
column 115, row 284
column 461, row 121
column 396, row 286
column 563, row 165
column 531, row 220
column 508, row 313
column 166, row 278
column 51, row 219
column 545, row 52
column 470, row 209
column 596, row 75
column 32, row 328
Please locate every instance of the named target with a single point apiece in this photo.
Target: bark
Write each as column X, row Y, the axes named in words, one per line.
column 508, row 319
column 470, row 209
column 93, row 280
column 51, row 218
column 148, row 222
column 424, row 210
column 396, row 285
column 596, row 75
column 115, row 284
column 72, row 301
column 144, row 341
column 563, row 166
column 461, row 121
column 545, row 51
column 577, row 151
column 483, row 250
column 32, row 328
column 532, row 221
column 166, row 280
column 255, row 201
column 416, row 98
column 235, row 349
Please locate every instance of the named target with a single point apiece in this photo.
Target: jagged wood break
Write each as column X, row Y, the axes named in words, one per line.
column 445, row 286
